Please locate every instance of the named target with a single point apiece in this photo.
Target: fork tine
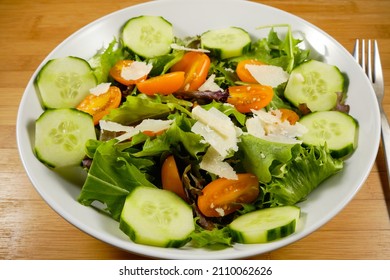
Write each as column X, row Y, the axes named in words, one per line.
column 371, row 67
column 378, row 75
column 369, row 62
column 356, row 51
column 360, row 56
column 363, row 52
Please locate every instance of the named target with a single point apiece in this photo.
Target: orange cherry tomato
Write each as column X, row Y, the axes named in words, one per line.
column 152, row 133
column 100, row 105
column 224, row 196
column 243, row 73
column 170, row 177
column 164, row 84
column 254, row 96
column 196, row 65
column 116, row 73
column 289, row 115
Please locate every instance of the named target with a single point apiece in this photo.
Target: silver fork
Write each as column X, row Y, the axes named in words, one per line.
column 373, row 70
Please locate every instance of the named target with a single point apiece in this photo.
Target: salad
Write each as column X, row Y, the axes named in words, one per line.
column 201, row 141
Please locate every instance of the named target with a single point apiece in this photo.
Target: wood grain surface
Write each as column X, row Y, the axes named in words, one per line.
column 30, row 229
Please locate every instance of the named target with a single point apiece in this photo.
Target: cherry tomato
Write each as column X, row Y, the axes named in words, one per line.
column 253, row 96
column 196, row 66
column 223, row 196
column 170, row 177
column 164, row 84
column 243, row 73
column 100, row 105
column 152, row 133
column 116, row 73
column 289, row 115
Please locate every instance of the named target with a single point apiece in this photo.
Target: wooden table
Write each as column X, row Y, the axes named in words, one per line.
column 30, row 229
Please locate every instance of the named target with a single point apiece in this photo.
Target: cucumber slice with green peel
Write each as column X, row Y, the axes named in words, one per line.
column 64, row 82
column 265, row 225
column 338, row 130
column 60, row 136
column 156, row 217
column 227, row 42
column 148, row 36
column 315, row 84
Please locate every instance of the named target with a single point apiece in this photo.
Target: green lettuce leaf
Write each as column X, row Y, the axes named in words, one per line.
column 302, row 175
column 140, row 107
column 224, row 74
column 212, row 239
column 180, row 134
column 261, row 157
column 105, row 59
column 112, row 176
column 137, row 108
column 154, row 146
column 161, row 64
column 178, row 137
column 281, row 52
column 274, row 50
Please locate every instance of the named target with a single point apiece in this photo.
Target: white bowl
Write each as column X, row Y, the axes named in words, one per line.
column 193, row 18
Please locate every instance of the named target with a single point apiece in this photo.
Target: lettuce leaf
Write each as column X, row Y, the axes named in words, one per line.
column 137, row 108
column 260, row 157
column 302, row 175
column 105, row 59
column 161, row 64
column 154, row 146
column 178, row 137
column 140, row 107
column 287, row 172
column 217, row 238
column 180, row 134
column 112, row 176
column 281, row 52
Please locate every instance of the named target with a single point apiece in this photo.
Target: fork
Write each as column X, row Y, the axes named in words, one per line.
column 373, row 70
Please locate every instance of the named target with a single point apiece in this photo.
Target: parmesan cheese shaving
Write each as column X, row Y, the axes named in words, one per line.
column 269, row 126
column 210, row 85
column 151, row 125
column 213, row 162
column 217, row 129
column 268, row 74
column 136, row 70
column 100, row 89
column 113, row 126
column 215, row 119
column 154, row 125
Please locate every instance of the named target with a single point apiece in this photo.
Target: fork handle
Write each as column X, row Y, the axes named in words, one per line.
column 386, row 141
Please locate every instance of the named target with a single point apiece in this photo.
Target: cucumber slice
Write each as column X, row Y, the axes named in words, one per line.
column 226, row 43
column 315, row 84
column 339, row 131
column 60, row 136
column 148, row 36
column 156, row 217
column 64, row 82
column 265, row 225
